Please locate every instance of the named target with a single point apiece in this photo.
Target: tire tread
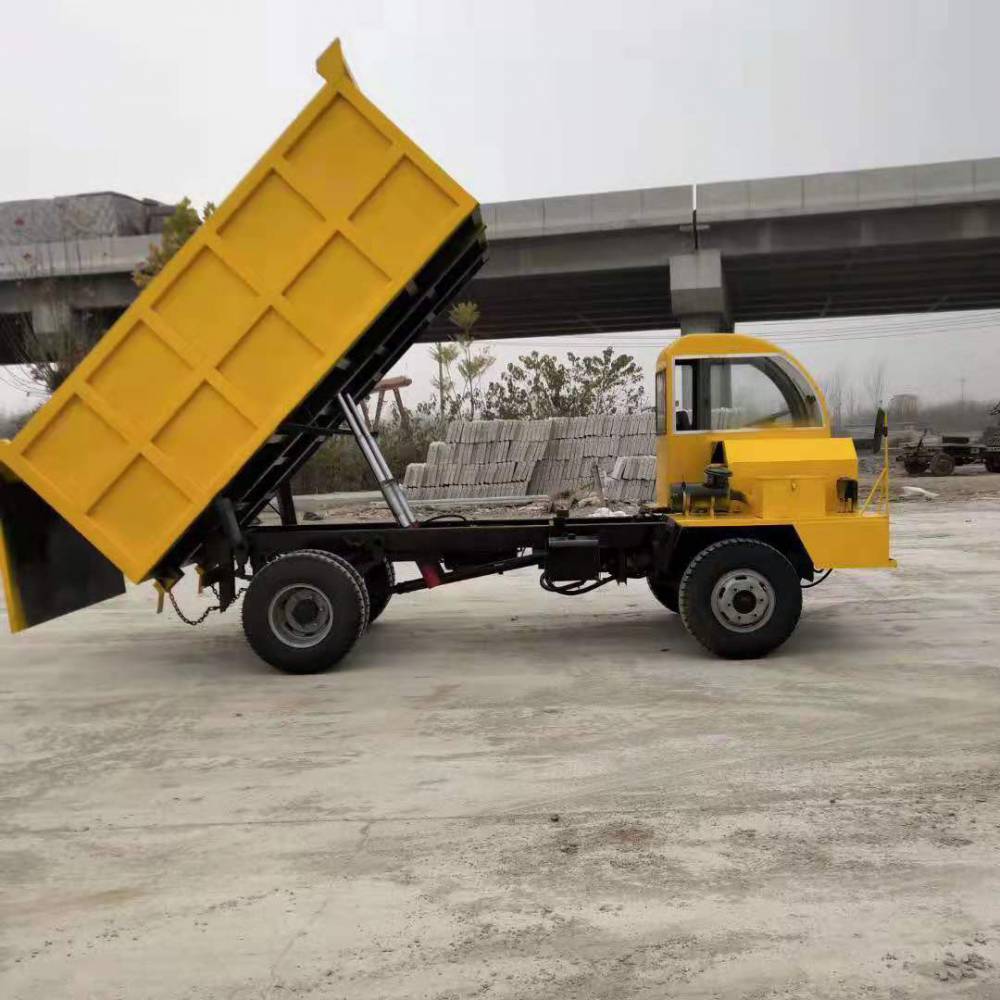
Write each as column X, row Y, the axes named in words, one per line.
column 319, row 555
column 377, row 607
column 684, row 605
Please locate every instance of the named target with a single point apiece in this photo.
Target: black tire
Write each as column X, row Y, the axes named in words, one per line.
column 664, row 589
column 379, row 580
column 915, row 468
column 719, row 570
column 312, row 580
column 941, row 464
column 992, row 463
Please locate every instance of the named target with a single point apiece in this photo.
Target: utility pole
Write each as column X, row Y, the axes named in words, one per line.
column 962, row 382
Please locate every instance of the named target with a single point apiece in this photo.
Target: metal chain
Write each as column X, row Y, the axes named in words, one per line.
column 197, row 621
column 183, row 617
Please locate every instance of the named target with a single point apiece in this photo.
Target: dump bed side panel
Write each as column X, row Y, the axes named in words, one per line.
column 255, row 310
column 378, row 349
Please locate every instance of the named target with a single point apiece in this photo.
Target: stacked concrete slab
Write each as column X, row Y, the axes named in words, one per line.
column 490, row 458
column 479, row 458
column 632, row 479
column 576, row 444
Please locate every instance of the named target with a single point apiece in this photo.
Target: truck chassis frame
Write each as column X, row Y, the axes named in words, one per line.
column 617, row 548
column 314, row 589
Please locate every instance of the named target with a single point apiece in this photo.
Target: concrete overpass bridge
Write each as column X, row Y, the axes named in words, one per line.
column 866, row 242
column 895, row 240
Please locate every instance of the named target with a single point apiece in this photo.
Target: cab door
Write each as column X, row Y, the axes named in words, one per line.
column 715, row 386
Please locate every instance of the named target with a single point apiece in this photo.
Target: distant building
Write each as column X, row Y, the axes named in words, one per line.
column 904, row 408
column 70, row 258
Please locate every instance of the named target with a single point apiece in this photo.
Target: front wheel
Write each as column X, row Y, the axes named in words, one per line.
column 305, row 610
column 740, row 598
column 992, row 463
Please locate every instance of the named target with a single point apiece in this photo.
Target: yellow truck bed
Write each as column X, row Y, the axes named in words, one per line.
column 312, row 277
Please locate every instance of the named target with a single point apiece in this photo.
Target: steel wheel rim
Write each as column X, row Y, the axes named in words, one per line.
column 743, row 600
column 300, row 615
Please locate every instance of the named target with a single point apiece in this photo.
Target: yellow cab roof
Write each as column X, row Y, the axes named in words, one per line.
column 719, row 343
column 723, row 344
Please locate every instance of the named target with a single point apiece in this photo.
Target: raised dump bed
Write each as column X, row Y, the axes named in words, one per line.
column 311, row 278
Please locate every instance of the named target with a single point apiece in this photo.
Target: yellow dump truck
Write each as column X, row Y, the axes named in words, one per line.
column 254, row 345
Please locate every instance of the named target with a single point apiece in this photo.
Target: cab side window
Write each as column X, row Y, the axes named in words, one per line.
column 684, row 396
column 752, row 399
column 740, row 393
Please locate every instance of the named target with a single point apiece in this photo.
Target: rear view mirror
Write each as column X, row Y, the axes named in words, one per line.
column 880, row 430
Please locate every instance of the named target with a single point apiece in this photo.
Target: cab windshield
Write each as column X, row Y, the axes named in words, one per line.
column 741, row 393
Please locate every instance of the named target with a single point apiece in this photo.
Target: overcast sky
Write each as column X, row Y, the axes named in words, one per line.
column 520, row 99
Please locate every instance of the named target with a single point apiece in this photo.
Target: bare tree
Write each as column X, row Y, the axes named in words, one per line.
column 49, row 334
column 874, row 383
column 834, row 388
column 850, row 403
column 41, row 358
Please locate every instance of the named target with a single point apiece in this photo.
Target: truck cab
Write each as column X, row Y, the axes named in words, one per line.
column 744, row 441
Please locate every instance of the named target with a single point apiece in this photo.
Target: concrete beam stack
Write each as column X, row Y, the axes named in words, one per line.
column 479, row 458
column 489, row 458
column 577, row 443
column 632, row 479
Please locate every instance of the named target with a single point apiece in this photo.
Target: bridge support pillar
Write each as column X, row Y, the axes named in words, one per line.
column 51, row 316
column 698, row 292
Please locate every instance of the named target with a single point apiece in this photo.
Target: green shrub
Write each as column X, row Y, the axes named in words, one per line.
column 340, row 467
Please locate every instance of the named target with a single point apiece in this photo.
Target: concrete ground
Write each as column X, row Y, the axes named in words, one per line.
column 966, row 482
column 509, row 794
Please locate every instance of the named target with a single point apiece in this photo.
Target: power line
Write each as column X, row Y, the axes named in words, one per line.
column 885, row 330
column 660, row 338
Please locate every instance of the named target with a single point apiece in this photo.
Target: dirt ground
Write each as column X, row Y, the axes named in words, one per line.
column 969, row 481
column 509, row 794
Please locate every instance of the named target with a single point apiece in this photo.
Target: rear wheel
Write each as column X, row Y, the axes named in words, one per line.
column 992, row 463
column 942, row 464
column 664, row 589
column 379, row 580
column 304, row 611
column 740, row 598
